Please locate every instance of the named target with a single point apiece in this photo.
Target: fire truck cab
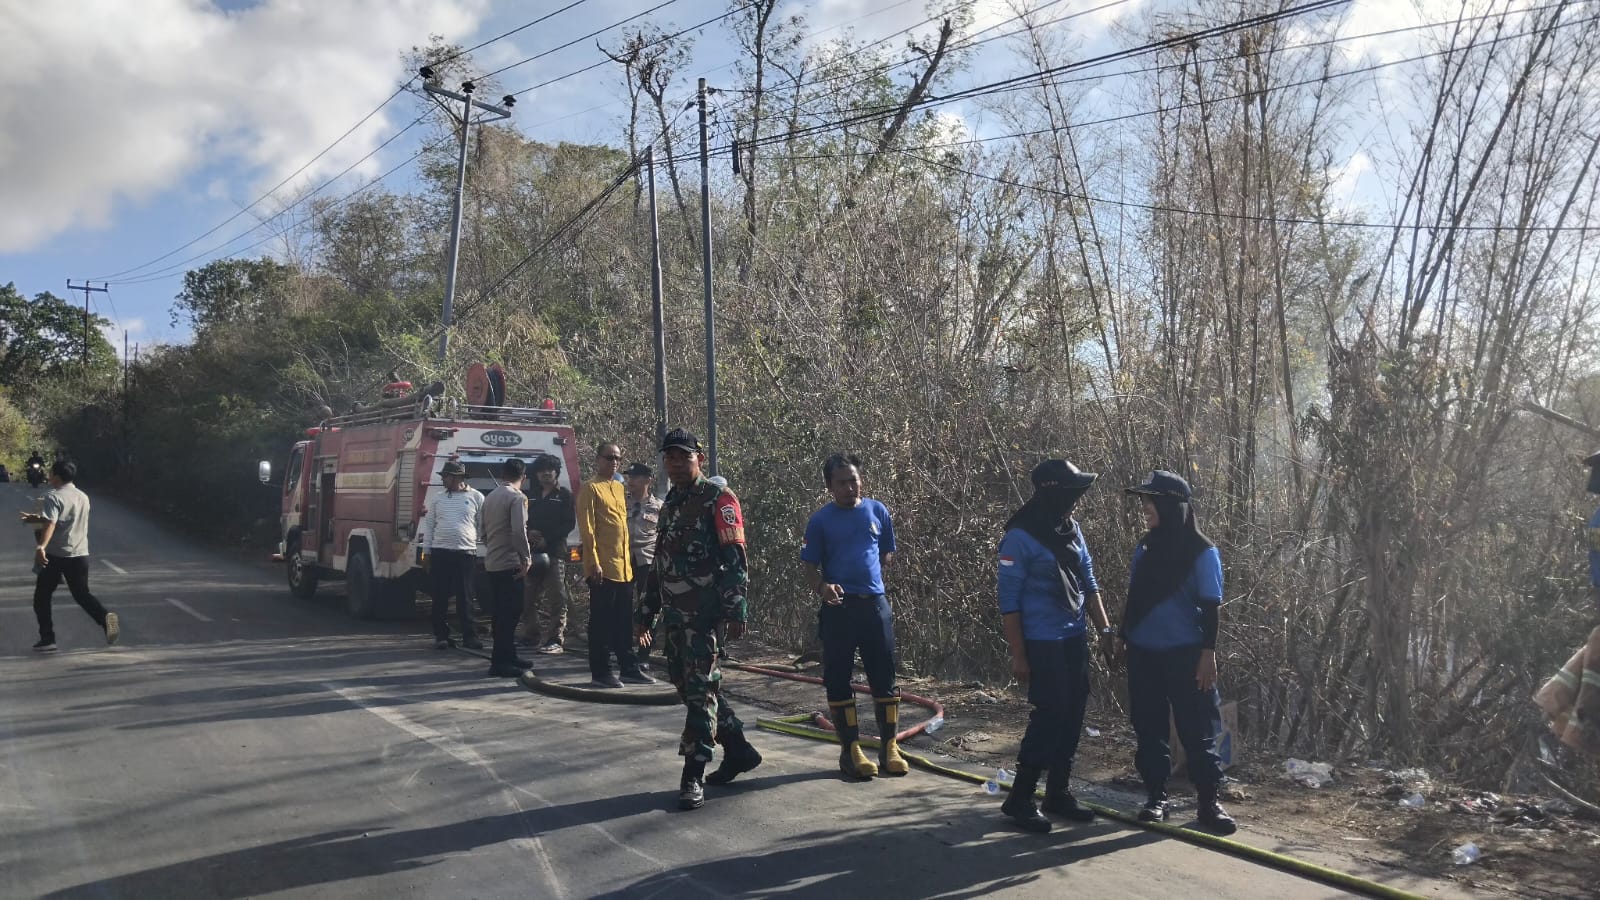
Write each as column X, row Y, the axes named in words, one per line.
column 356, row 490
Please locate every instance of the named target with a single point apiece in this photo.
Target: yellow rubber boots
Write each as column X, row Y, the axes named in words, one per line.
column 852, row 762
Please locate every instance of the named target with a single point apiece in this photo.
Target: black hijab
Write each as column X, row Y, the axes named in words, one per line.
column 1047, row 518
column 1170, row 550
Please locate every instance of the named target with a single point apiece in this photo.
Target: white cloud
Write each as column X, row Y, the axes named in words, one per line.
column 106, row 102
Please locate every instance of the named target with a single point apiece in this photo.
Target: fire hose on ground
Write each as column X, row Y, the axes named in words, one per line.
column 815, row 726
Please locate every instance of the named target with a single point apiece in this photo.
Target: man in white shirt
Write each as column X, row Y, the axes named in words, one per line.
column 450, row 529
column 63, row 553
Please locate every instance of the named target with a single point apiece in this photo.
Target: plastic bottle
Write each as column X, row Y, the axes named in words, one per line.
column 992, row 786
column 1415, row 801
column 1466, row 854
column 934, row 724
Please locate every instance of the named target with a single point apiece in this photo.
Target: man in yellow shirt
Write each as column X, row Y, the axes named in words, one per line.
column 607, row 567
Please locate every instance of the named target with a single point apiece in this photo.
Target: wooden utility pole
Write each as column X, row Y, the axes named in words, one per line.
column 87, row 288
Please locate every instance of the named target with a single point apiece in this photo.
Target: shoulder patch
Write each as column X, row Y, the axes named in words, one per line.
column 728, row 518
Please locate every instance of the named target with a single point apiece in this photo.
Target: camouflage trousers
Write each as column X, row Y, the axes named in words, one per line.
column 691, row 656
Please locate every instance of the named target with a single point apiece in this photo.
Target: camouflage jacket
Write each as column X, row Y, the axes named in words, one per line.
column 700, row 565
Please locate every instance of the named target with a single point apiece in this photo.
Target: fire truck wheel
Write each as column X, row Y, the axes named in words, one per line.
column 302, row 578
column 362, row 592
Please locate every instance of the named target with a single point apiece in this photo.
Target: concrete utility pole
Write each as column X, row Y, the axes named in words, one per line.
column 705, row 262
column 87, row 288
column 657, row 315
column 464, row 122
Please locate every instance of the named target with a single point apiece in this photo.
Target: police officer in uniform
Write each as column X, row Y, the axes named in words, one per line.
column 1169, row 635
column 699, row 590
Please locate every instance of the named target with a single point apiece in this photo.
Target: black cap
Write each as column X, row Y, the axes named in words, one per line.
column 453, row 467
column 639, row 469
column 680, row 439
column 1060, row 473
column 1162, row 483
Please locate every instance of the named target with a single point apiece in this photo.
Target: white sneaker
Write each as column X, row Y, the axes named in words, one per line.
column 113, row 628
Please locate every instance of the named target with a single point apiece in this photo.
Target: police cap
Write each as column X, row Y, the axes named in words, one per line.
column 680, row 439
column 1162, row 483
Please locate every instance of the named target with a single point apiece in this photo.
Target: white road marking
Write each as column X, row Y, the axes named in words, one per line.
column 188, row 609
column 471, row 757
column 113, row 566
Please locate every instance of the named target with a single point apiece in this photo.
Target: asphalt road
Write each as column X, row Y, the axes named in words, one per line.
column 240, row 743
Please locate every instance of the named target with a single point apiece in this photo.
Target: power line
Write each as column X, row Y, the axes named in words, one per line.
column 579, row 40
column 661, row 40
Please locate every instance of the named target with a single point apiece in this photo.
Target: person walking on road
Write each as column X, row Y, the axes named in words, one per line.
column 1048, row 594
column 603, row 529
column 701, row 578
column 551, row 517
column 847, row 545
column 450, row 528
column 62, row 553
column 506, row 559
column 644, row 513
column 1169, row 637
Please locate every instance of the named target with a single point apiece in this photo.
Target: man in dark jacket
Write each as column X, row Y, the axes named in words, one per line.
column 551, row 517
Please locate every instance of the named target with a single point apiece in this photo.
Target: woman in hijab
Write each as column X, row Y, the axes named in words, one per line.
column 1170, row 633
column 1047, row 595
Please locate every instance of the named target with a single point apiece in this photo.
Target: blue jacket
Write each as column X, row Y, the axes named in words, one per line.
column 1030, row 584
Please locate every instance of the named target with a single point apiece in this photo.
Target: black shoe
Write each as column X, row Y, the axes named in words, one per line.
column 609, row 681
column 523, row 664
column 1020, row 804
column 691, row 787
column 1211, row 814
column 45, row 647
column 472, row 643
column 506, row 671
column 443, row 643
column 1067, row 807
column 735, row 762
column 1155, row 810
column 638, row 678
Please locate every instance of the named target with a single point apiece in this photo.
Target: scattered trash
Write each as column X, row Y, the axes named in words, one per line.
column 1466, row 854
column 1556, row 808
column 981, row 697
column 992, row 786
column 1233, row 793
column 975, row 737
column 1091, row 731
column 934, row 724
column 1309, row 774
column 1415, row 801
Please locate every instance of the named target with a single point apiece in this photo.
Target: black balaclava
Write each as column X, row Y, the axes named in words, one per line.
column 1170, row 550
column 1047, row 518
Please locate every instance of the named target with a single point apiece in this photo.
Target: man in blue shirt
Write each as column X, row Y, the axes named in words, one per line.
column 1592, row 533
column 847, row 544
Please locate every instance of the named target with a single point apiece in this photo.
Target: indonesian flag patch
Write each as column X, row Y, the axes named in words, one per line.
column 1007, row 561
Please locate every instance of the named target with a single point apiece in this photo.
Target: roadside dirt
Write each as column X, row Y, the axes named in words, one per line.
column 1529, row 848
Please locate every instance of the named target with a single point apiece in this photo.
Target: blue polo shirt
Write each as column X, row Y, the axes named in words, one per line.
column 849, row 543
column 1175, row 621
column 1592, row 536
column 1030, row 584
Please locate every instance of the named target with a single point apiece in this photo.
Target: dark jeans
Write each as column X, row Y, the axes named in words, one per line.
column 1058, row 688
column 451, row 576
column 862, row 621
column 75, row 569
column 611, row 628
column 505, row 608
column 1160, row 681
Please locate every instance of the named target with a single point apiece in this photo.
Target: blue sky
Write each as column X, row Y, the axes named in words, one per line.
column 129, row 129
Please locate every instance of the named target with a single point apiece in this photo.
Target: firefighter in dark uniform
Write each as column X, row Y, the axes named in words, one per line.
column 698, row 591
column 1169, row 635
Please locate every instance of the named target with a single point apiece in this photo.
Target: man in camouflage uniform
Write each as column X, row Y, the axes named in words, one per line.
column 699, row 589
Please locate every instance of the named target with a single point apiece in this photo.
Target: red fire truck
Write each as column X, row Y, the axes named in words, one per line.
column 355, row 492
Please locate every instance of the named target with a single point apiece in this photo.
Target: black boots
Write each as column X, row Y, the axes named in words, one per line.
column 691, row 787
column 852, row 762
column 738, row 757
column 890, row 762
column 1155, row 809
column 1020, row 805
column 1211, row 814
column 1058, row 797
